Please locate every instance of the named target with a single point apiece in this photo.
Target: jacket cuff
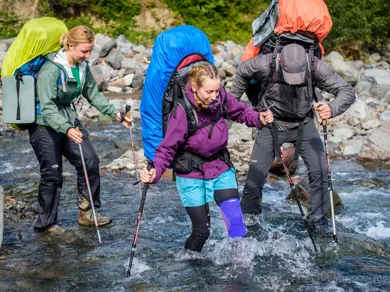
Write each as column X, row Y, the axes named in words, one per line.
column 67, row 130
column 260, row 122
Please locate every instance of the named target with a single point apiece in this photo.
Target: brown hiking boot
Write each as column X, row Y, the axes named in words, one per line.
column 86, row 219
column 55, row 229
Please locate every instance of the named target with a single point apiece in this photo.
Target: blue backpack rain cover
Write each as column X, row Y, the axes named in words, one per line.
column 170, row 47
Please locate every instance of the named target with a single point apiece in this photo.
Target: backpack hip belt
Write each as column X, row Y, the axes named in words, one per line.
column 186, row 162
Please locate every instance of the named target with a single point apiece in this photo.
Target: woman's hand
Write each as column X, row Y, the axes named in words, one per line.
column 75, row 135
column 148, row 176
column 127, row 121
column 266, row 117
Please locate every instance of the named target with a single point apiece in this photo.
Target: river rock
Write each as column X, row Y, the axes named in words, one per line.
column 239, row 133
column 114, row 89
column 1, row 214
column 375, row 57
column 377, row 146
column 107, row 70
column 346, row 70
column 138, row 80
column 218, row 61
column 353, row 148
column 128, row 79
column 343, row 133
column 372, row 183
column 303, row 191
column 114, row 59
column 371, row 124
column 385, row 116
column 107, row 47
column 128, row 63
column 123, row 45
column 288, row 151
column 380, row 80
column 120, row 82
column 98, row 74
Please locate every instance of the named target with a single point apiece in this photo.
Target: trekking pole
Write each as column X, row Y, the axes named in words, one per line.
column 89, row 190
column 330, row 185
column 140, row 211
column 292, row 186
column 128, row 108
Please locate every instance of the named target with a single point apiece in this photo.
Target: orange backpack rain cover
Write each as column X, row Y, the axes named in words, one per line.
column 299, row 15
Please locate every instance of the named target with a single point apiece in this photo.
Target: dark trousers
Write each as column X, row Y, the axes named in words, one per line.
column 313, row 155
column 49, row 147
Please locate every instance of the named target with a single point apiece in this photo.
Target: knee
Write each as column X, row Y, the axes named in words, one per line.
column 92, row 163
column 52, row 174
column 198, row 237
column 232, row 215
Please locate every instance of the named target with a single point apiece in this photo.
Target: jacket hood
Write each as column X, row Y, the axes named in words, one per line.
column 59, row 58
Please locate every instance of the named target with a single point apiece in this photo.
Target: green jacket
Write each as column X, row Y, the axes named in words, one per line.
column 56, row 97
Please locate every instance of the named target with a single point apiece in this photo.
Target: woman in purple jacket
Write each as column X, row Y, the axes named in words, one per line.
column 201, row 159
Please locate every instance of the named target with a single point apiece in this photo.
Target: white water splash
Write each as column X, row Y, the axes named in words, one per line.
column 6, row 168
column 137, row 268
column 379, row 231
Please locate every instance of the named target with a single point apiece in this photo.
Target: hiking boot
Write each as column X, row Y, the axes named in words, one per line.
column 86, row 219
column 55, row 229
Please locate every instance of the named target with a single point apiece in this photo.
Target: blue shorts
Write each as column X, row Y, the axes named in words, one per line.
column 197, row 192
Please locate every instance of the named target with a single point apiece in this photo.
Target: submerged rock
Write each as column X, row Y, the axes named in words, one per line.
column 303, row 191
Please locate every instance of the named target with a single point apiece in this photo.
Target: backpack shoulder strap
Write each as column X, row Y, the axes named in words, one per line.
column 310, row 76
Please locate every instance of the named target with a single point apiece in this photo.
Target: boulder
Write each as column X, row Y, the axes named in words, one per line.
column 377, row 146
column 346, row 70
column 107, row 47
column 138, row 80
column 380, row 80
column 288, row 151
column 353, row 148
column 385, row 116
column 123, row 45
column 114, row 59
column 98, row 74
column 343, row 133
column 303, row 191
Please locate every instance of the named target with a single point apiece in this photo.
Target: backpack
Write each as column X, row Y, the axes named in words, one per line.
column 274, row 47
column 303, row 22
column 175, row 52
column 21, row 67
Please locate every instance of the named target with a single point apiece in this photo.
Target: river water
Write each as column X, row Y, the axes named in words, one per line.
column 275, row 256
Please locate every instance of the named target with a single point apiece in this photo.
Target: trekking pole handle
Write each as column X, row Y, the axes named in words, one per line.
column 127, row 108
column 123, row 114
column 150, row 165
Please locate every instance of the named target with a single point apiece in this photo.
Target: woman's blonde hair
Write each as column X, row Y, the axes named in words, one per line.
column 199, row 73
column 77, row 35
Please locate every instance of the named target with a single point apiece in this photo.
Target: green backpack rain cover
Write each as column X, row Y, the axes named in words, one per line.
column 21, row 66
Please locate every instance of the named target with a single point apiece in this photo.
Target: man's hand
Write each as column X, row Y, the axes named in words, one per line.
column 266, row 117
column 148, row 176
column 75, row 135
column 324, row 110
column 127, row 121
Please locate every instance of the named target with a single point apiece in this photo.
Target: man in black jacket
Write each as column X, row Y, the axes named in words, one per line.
column 287, row 80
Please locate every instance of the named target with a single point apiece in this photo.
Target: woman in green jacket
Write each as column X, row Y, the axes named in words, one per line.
column 63, row 79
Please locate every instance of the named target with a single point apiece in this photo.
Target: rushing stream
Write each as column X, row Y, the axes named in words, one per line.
column 276, row 255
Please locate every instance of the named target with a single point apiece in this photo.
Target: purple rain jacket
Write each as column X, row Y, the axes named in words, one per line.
column 199, row 144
